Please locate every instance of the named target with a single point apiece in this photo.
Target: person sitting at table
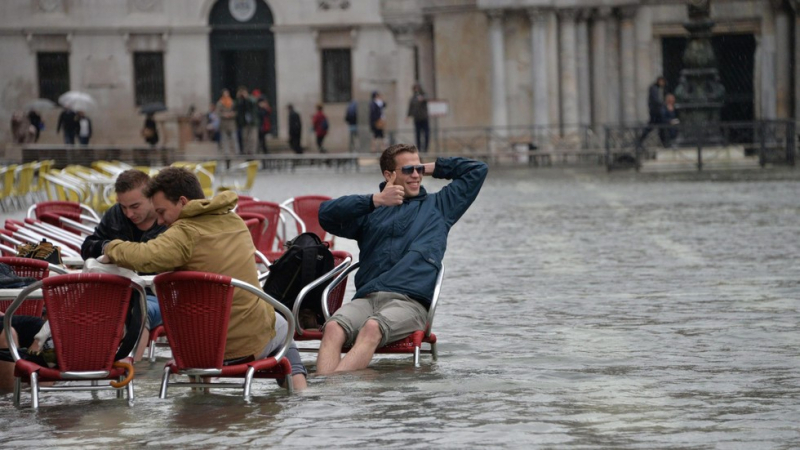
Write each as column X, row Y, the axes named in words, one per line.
column 132, row 218
column 205, row 235
column 23, row 331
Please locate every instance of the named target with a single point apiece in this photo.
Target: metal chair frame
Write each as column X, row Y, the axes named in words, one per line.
column 91, row 376
column 426, row 335
column 291, row 202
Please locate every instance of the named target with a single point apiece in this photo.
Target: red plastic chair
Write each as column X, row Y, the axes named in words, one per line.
column 271, row 244
column 195, row 307
column 331, row 301
column 34, row 268
column 86, row 312
column 307, row 208
column 256, row 223
column 62, row 208
column 413, row 343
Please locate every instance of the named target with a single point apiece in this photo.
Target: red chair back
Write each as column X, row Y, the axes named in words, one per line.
column 58, row 207
column 255, row 223
column 195, row 307
column 272, row 213
column 26, row 267
column 336, row 296
column 53, row 218
column 307, row 207
column 87, row 314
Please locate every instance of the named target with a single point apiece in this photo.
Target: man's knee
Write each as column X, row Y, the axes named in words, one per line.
column 371, row 331
column 333, row 332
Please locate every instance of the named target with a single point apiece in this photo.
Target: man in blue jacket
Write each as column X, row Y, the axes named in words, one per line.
column 402, row 236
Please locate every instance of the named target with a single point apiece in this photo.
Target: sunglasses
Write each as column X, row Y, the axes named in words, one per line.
column 408, row 170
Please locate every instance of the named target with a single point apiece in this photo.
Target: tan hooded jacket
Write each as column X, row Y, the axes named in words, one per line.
column 208, row 237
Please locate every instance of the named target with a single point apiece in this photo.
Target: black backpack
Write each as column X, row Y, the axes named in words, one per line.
column 306, row 259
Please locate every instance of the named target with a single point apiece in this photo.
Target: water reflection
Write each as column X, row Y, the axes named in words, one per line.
column 580, row 309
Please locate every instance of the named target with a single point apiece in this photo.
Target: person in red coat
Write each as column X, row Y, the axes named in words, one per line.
column 320, row 123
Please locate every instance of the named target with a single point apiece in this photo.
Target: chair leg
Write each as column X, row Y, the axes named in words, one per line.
column 248, row 380
column 416, row 356
column 289, row 383
column 17, row 390
column 130, row 393
column 119, row 391
column 434, row 352
column 152, row 352
column 164, row 380
column 35, row 390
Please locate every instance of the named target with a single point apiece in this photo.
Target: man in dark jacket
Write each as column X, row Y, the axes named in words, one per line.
column 67, row 122
column 402, row 235
column 295, row 129
column 133, row 219
column 655, row 103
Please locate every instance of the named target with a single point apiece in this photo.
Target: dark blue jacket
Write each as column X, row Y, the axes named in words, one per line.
column 401, row 247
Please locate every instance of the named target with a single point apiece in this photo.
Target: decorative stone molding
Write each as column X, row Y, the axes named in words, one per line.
column 568, row 13
column 50, row 6
column 48, row 42
column 146, row 6
column 405, row 33
column 146, row 42
column 326, row 5
column 538, row 15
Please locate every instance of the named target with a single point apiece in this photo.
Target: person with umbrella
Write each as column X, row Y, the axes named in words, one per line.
column 67, row 121
column 36, row 124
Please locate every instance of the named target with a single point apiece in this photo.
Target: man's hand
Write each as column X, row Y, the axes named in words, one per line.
column 391, row 195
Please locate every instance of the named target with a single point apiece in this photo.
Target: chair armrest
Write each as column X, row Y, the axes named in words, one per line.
column 77, row 225
column 279, row 307
column 434, row 301
column 311, row 286
column 26, row 291
column 58, row 269
column 300, row 224
column 338, row 280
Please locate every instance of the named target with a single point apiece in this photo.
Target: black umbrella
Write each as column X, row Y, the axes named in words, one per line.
column 151, row 108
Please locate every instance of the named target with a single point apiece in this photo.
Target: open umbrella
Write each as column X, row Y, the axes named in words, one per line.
column 40, row 104
column 78, row 101
column 151, row 108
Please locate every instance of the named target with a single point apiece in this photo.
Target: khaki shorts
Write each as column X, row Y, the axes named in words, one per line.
column 397, row 315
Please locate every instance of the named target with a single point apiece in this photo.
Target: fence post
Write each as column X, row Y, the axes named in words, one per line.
column 790, row 142
column 762, row 153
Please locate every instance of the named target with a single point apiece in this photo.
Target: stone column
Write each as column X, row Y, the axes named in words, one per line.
column 783, row 57
column 627, row 42
column 541, row 107
column 766, row 107
column 612, row 71
column 569, row 71
column 553, row 75
column 644, row 63
column 582, row 62
column 499, row 106
column 405, row 36
column 599, row 63
column 796, row 5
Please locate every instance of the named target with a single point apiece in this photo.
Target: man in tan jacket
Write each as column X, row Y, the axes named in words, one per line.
column 205, row 235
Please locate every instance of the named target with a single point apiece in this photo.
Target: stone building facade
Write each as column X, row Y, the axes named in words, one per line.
column 556, row 64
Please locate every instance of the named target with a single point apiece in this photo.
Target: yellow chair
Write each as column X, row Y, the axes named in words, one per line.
column 206, row 180
column 251, row 171
column 21, row 191
column 8, row 187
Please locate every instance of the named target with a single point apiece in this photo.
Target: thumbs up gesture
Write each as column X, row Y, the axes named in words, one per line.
column 392, row 194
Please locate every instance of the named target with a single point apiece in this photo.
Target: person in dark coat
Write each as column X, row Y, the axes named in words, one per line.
column 150, row 131
column 295, row 129
column 67, row 122
column 655, row 104
column 36, row 124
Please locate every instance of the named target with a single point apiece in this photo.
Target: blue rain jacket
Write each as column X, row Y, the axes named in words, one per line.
column 401, row 247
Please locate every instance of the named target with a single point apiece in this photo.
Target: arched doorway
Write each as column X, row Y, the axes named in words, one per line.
column 243, row 49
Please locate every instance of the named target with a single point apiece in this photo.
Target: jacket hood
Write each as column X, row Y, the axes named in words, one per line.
column 421, row 196
column 222, row 203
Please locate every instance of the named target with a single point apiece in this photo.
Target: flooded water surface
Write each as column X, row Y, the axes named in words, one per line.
column 580, row 310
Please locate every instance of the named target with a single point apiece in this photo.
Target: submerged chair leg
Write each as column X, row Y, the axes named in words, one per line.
column 164, row 380
column 416, row 356
column 289, row 383
column 35, row 390
column 434, row 352
column 17, row 390
column 152, row 352
column 248, row 379
column 130, row 393
column 119, row 391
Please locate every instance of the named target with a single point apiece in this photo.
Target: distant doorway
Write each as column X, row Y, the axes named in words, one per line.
column 736, row 60
column 243, row 50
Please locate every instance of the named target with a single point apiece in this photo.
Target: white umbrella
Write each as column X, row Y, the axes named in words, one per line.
column 77, row 101
column 40, row 104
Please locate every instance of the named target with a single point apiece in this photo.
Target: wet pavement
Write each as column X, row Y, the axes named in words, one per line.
column 580, row 309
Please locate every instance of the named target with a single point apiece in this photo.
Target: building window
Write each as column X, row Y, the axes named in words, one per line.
column 148, row 74
column 336, row 78
column 53, row 68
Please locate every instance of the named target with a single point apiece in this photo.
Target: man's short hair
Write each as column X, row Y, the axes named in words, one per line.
column 175, row 182
column 129, row 180
column 387, row 158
